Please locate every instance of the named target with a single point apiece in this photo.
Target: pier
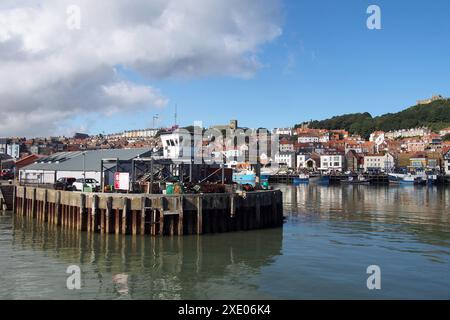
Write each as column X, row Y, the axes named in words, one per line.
column 156, row 215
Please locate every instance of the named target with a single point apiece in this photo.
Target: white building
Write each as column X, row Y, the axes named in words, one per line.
column 380, row 162
column 142, row 133
column 305, row 162
column 286, row 158
column 332, row 163
column 407, row 133
column 444, row 132
column 301, row 161
column 179, row 145
column 324, row 138
column 447, row 163
column 286, row 147
column 308, row 139
column 282, row 131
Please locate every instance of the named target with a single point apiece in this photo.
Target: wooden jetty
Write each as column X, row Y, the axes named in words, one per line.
column 151, row 214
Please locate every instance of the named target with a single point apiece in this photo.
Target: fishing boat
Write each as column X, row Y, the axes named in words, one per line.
column 406, row 179
column 302, row 178
column 359, row 180
column 248, row 177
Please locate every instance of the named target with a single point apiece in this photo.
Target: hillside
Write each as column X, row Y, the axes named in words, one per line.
column 435, row 115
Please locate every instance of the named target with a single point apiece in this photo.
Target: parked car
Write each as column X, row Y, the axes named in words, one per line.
column 6, row 174
column 64, row 184
column 93, row 184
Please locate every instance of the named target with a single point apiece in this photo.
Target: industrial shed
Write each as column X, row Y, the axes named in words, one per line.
column 75, row 164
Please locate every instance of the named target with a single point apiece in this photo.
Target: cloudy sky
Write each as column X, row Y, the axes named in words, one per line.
column 267, row 62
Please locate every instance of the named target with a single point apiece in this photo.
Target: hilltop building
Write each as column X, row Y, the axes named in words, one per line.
column 437, row 97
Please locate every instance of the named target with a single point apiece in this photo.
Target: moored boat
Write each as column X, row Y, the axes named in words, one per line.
column 302, row 178
column 248, row 177
column 359, row 180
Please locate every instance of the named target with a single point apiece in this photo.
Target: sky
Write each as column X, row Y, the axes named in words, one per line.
column 114, row 65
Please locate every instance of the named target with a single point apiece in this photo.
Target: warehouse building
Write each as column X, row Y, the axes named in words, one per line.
column 78, row 164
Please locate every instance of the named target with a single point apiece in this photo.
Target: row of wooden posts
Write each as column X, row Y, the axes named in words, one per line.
column 151, row 214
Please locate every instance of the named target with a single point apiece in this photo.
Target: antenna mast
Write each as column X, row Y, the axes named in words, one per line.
column 175, row 115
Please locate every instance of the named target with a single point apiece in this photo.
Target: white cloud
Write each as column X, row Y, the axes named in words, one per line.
column 50, row 73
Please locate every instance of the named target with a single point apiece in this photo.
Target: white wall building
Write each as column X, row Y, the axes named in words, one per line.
column 282, row 131
column 301, row 161
column 384, row 162
column 142, row 133
column 286, row 158
column 407, row 133
column 447, row 163
column 332, row 163
column 308, row 139
column 444, row 132
column 286, row 147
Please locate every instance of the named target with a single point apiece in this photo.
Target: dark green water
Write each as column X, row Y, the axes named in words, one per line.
column 331, row 235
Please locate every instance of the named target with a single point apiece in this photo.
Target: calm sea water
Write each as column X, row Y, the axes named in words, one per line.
column 331, row 236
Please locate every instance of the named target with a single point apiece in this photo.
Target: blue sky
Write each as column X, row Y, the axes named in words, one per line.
column 325, row 63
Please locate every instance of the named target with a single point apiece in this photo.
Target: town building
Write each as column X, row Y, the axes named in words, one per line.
column 407, row 133
column 287, row 159
column 334, row 162
column 283, row 131
column 354, row 160
column 446, row 157
column 286, row 146
column 379, row 162
column 444, row 132
column 308, row 138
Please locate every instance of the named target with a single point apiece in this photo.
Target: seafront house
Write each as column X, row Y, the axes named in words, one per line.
column 379, row 162
column 335, row 162
column 353, row 160
column 418, row 163
column 287, row 159
column 446, row 157
column 305, row 161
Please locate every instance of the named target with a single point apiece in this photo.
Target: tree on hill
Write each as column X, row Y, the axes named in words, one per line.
column 435, row 115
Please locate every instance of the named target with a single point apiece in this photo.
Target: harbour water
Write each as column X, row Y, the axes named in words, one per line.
column 330, row 237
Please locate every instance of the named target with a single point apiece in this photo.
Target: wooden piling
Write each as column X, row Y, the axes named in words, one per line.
column 108, row 217
column 82, row 214
column 163, row 214
column 94, row 224
column 143, row 212
column 180, row 217
column 199, row 215
column 124, row 216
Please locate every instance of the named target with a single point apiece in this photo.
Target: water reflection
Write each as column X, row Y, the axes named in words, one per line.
column 151, row 268
column 401, row 216
column 330, row 236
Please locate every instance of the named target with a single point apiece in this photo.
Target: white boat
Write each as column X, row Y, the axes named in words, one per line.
column 411, row 179
column 359, row 180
